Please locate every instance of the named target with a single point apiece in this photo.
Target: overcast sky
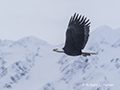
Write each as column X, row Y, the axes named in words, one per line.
column 48, row 19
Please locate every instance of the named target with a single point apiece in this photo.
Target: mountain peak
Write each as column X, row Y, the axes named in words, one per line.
column 30, row 40
column 105, row 33
column 104, row 27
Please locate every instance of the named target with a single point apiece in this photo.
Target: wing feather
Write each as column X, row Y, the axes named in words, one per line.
column 77, row 33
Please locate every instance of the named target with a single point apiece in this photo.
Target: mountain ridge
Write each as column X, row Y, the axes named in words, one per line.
column 30, row 62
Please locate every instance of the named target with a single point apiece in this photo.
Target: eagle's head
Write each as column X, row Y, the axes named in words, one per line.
column 58, row 50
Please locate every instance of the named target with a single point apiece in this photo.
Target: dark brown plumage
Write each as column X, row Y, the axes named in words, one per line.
column 76, row 35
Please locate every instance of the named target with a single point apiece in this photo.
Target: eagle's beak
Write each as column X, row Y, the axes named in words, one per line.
column 54, row 49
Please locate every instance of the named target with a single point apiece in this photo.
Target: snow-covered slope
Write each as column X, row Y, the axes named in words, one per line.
column 98, row 72
column 106, row 42
column 30, row 64
column 26, row 62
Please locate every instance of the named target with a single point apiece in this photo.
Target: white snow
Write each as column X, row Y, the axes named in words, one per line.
column 30, row 64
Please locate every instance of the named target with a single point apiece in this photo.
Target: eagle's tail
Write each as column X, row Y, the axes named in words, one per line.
column 88, row 53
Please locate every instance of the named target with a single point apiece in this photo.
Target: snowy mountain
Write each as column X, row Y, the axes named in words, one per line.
column 30, row 64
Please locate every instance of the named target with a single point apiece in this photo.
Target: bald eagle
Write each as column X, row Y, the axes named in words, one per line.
column 76, row 36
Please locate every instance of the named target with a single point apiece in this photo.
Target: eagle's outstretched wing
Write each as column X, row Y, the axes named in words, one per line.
column 76, row 35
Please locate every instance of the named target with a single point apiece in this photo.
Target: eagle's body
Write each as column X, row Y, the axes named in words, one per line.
column 76, row 36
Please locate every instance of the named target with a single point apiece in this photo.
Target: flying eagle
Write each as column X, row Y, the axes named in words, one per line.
column 76, row 36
